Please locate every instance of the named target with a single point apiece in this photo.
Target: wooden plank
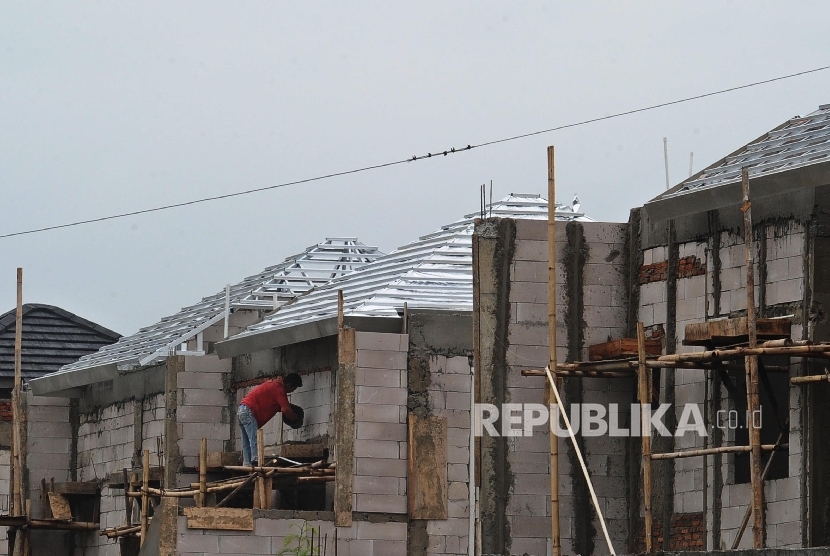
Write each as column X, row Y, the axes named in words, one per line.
column 116, row 478
column 60, row 506
column 316, row 450
column 734, row 331
column 229, row 519
column 75, row 487
column 217, row 460
column 428, row 498
column 622, row 348
column 345, row 425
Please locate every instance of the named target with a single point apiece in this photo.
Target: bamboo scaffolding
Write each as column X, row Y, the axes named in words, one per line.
column 719, row 450
column 554, row 441
column 644, row 387
column 752, row 397
column 811, row 379
column 749, row 508
column 115, row 532
column 202, row 499
column 145, row 499
column 578, row 452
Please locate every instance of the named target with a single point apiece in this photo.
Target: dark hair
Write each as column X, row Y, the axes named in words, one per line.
column 293, row 379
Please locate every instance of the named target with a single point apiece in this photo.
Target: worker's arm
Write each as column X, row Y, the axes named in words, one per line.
column 285, row 407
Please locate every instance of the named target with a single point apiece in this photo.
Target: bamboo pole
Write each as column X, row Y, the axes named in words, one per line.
column 720, row 450
column 721, row 354
column 260, row 483
column 128, row 503
column 811, row 379
column 145, row 498
column 202, row 501
column 582, row 464
column 17, row 463
column 749, row 508
column 645, row 402
column 554, row 441
column 752, row 400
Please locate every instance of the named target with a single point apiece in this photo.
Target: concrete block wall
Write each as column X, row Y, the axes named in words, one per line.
column 202, row 409
column 106, row 445
column 689, row 385
column 105, row 441
column 653, row 295
column 363, row 538
column 380, row 449
column 316, row 397
column 48, row 443
column 450, row 397
column 604, row 296
column 785, row 263
column 695, row 302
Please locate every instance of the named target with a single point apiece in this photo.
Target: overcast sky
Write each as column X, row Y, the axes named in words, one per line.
column 111, row 107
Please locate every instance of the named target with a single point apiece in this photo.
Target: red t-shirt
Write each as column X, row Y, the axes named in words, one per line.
column 267, row 399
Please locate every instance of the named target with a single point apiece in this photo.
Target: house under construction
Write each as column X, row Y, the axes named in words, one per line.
column 395, row 351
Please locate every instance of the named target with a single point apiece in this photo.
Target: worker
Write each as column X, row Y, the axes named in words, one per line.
column 259, row 406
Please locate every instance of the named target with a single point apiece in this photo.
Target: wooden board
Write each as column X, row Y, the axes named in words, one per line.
column 88, row 488
column 217, row 460
column 231, row 519
column 60, row 506
column 622, row 348
column 116, row 478
column 734, row 331
column 292, row 451
column 428, row 497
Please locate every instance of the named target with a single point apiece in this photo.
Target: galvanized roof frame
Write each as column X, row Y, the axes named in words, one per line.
column 275, row 285
column 433, row 272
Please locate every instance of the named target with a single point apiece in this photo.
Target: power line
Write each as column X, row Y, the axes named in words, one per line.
column 416, row 157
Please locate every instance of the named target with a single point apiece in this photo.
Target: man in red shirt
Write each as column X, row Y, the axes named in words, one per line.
column 259, row 406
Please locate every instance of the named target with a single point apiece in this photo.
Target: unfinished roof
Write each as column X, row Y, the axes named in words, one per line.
column 786, row 157
column 51, row 338
column 318, row 264
column 434, row 272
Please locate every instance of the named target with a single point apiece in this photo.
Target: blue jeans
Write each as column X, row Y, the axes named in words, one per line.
column 249, row 427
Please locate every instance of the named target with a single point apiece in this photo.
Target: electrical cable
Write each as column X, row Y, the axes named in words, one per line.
column 416, row 157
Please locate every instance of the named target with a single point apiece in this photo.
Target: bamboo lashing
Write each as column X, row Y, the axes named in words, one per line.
column 581, row 462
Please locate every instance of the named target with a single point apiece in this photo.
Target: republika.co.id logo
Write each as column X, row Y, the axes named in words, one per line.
column 596, row 420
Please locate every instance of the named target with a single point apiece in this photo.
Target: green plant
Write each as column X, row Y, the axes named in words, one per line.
column 300, row 543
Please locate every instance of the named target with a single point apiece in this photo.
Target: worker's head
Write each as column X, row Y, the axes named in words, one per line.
column 292, row 381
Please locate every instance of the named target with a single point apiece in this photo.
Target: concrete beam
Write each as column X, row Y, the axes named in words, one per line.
column 54, row 384
column 729, row 195
column 268, row 339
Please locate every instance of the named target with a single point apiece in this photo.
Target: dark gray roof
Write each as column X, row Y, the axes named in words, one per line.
column 52, row 337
